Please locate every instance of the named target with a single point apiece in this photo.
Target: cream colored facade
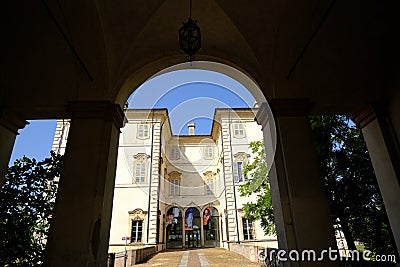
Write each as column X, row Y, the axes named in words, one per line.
column 158, row 172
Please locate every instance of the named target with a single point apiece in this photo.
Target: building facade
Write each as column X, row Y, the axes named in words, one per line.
column 181, row 191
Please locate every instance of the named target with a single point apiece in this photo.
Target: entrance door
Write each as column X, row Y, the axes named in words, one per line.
column 211, row 227
column 193, row 238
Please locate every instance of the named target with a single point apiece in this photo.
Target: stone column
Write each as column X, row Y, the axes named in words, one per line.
column 10, row 123
column 383, row 149
column 301, row 208
column 80, row 228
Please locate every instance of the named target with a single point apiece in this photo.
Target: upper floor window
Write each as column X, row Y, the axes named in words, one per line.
column 174, row 187
column 248, row 229
column 240, row 159
column 238, row 174
column 174, row 153
column 140, row 172
column 210, row 187
column 143, row 131
column 209, row 182
column 238, row 130
column 208, row 152
column 140, row 167
column 174, row 179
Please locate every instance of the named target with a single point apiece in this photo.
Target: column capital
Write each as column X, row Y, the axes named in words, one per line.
column 264, row 113
column 365, row 116
column 293, row 107
column 11, row 120
column 97, row 110
column 290, row 107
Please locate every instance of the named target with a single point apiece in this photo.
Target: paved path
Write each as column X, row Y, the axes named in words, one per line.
column 207, row 257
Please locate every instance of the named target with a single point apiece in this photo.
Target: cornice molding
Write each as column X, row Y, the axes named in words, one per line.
column 141, row 157
column 365, row 116
column 97, row 110
column 11, row 120
column 295, row 107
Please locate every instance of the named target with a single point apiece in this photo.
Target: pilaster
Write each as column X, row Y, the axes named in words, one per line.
column 384, row 152
column 231, row 212
column 155, row 180
column 79, row 232
column 300, row 206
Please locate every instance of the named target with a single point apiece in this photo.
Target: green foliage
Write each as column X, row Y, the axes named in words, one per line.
column 258, row 184
column 350, row 183
column 26, row 205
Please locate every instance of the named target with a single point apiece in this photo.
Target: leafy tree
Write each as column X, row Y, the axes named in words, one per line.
column 258, row 184
column 350, row 183
column 26, row 205
column 348, row 179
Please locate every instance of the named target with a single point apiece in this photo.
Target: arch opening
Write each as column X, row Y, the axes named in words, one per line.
column 167, row 159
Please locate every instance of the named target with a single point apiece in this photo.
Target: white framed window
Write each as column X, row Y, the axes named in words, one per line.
column 140, row 167
column 174, row 153
column 136, row 231
column 174, row 187
column 248, row 229
column 140, row 172
column 143, row 131
column 210, row 187
column 208, row 152
column 238, row 130
column 238, row 174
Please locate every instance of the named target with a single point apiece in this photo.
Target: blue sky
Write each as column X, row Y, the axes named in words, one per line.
column 189, row 95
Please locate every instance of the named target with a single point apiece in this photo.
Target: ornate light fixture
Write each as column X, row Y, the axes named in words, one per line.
column 190, row 36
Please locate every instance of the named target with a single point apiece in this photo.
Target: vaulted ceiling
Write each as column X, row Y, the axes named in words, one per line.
column 339, row 54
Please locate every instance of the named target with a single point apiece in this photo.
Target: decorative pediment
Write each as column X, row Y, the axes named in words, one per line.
column 137, row 214
column 174, row 175
column 141, row 157
column 209, row 175
column 241, row 157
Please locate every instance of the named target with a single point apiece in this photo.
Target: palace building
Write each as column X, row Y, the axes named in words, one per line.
column 79, row 61
column 181, row 191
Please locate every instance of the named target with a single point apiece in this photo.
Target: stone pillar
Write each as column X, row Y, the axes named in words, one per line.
column 10, row 123
column 383, row 149
column 301, row 210
column 79, row 232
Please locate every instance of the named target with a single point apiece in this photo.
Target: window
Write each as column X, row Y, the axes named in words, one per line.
column 174, row 189
column 136, row 233
column 248, row 229
column 140, row 167
column 143, row 131
column 238, row 130
column 140, row 172
column 238, row 172
column 210, row 187
column 174, row 153
column 209, row 182
column 208, row 152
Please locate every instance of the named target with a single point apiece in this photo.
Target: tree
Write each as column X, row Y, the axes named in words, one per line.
column 348, row 179
column 350, row 183
column 258, row 184
column 26, row 205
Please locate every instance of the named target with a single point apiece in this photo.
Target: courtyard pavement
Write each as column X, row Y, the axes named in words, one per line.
column 205, row 257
